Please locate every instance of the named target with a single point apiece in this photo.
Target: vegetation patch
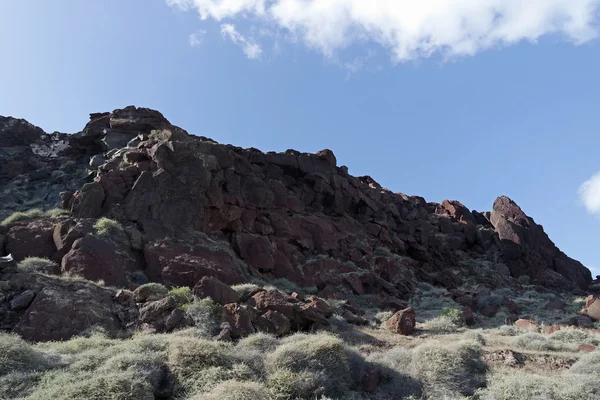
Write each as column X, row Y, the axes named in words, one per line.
column 21, row 216
column 37, row 265
column 107, row 227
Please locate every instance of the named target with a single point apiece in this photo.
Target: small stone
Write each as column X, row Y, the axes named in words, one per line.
column 586, row 347
column 372, row 378
column 526, row 325
column 23, row 300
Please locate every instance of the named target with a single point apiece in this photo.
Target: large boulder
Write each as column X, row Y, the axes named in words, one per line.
column 31, row 239
column 216, row 290
column 592, row 307
column 528, row 250
column 97, row 258
column 185, row 263
column 302, row 316
column 61, row 312
column 402, row 322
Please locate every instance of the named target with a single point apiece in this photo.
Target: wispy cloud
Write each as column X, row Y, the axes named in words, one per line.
column 589, row 193
column 249, row 46
column 197, row 38
column 407, row 29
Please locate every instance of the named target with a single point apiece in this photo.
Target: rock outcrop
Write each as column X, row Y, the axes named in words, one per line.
column 191, row 208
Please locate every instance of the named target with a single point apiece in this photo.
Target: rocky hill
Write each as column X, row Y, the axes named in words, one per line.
column 144, row 201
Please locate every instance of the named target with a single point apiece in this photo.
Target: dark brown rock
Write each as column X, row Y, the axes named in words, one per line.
column 182, row 264
column 216, row 290
column 281, row 324
column 31, row 239
column 97, row 258
column 59, row 313
column 402, row 322
column 238, row 319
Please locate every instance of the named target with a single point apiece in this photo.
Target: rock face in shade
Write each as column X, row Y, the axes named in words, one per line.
column 192, row 208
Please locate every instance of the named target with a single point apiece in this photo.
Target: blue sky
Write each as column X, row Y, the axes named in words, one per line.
column 467, row 101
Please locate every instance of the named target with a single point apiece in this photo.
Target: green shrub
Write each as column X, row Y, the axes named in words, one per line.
column 588, row 364
column 441, row 324
column 383, row 316
column 511, row 385
column 259, row 341
column 57, row 213
column 16, row 355
column 524, row 280
column 20, row 216
column 453, row 314
column 151, row 292
column 396, row 379
column 538, row 342
column 206, row 315
column 285, row 285
column 236, row 390
column 62, row 385
column 107, row 227
column 199, row 364
column 572, row 335
column 245, row 288
column 449, row 370
column 310, row 364
column 492, row 300
column 183, row 295
column 37, row 265
column 507, row 330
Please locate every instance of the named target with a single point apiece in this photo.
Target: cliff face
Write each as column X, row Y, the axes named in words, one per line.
column 191, row 207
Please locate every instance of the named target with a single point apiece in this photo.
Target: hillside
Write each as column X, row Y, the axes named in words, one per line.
column 133, row 228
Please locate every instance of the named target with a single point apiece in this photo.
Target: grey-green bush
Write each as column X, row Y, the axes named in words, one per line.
column 236, row 390
column 310, row 364
column 449, row 369
column 16, row 355
column 588, row 364
column 510, row 385
column 37, row 265
column 538, row 342
column 107, row 227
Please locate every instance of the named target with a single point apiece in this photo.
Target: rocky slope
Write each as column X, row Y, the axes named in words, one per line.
column 188, row 207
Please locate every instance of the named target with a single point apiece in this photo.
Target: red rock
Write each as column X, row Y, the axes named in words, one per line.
column 97, row 258
column 466, row 315
column 298, row 296
column 216, row 290
column 551, row 329
column 402, row 322
column 181, row 264
column 466, row 301
column 238, row 319
column 526, row 325
column 256, row 251
column 488, row 311
column 586, row 347
column 321, row 305
column 372, row 378
column 59, row 313
column 31, row 239
column 280, row 322
column 301, row 315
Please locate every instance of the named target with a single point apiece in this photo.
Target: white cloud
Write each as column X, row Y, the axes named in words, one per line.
column 249, row 46
column 589, row 193
column 410, row 29
column 196, row 39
